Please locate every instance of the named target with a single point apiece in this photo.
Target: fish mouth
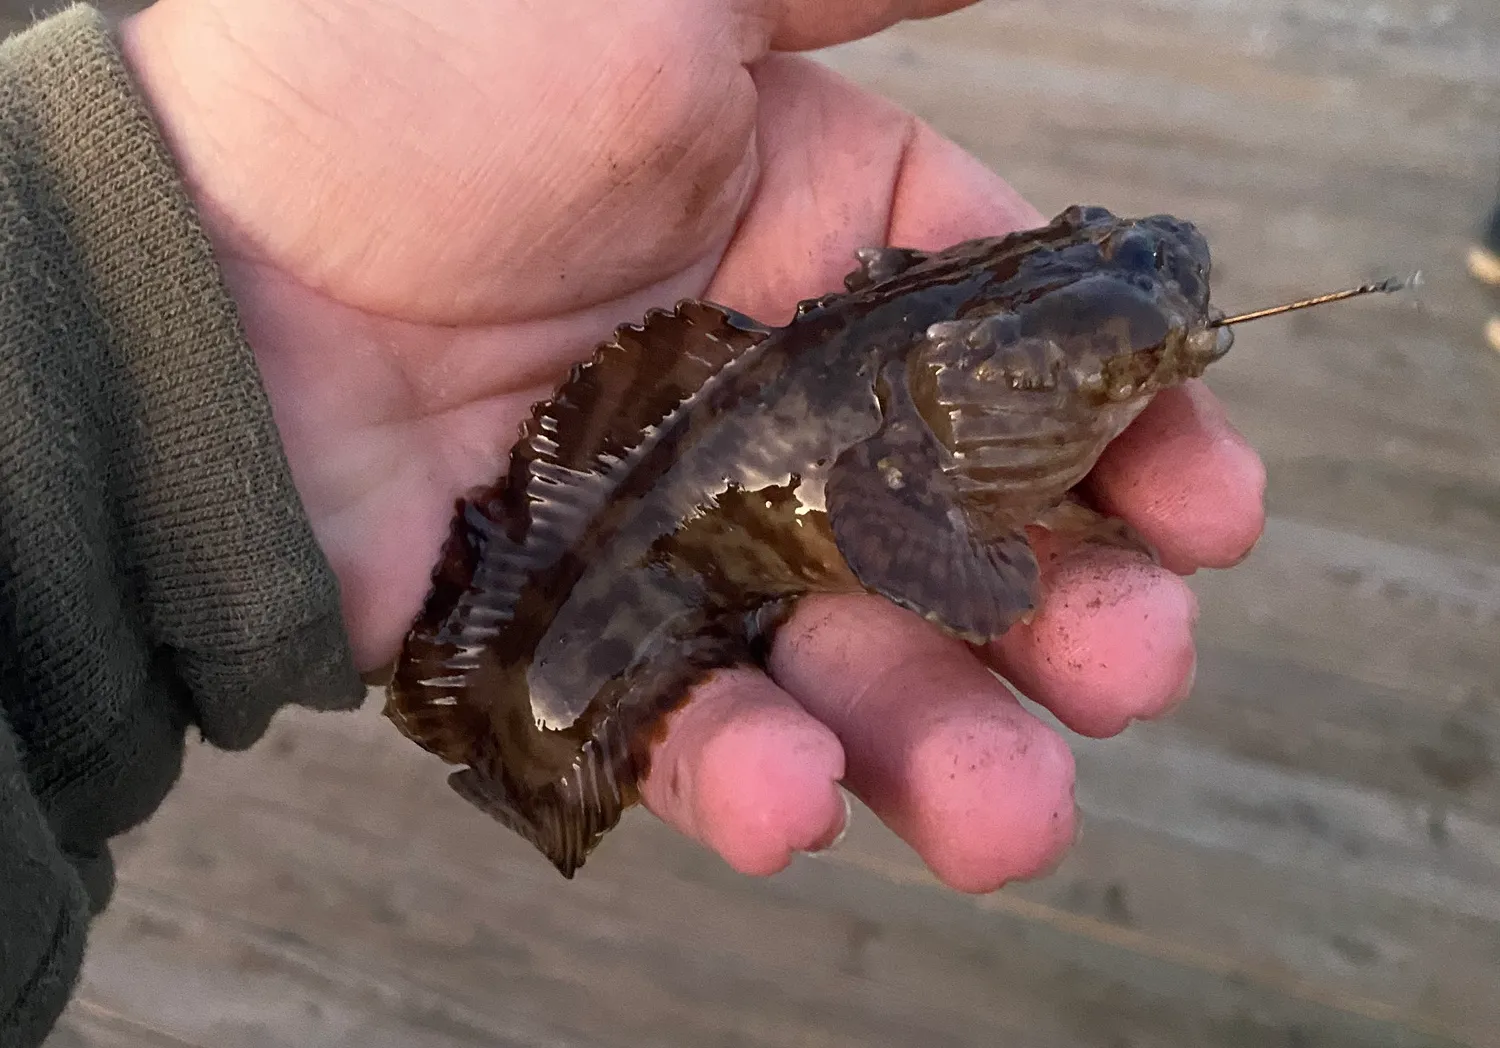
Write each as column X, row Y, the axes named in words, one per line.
column 1223, row 340
column 1209, row 343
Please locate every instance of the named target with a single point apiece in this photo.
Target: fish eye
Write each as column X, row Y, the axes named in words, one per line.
column 1134, row 250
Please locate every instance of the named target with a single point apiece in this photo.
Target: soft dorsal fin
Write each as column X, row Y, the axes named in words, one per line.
column 574, row 452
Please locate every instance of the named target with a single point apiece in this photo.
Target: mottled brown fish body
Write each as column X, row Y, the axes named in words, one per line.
column 665, row 510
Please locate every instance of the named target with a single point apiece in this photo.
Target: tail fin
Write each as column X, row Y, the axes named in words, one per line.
column 564, row 819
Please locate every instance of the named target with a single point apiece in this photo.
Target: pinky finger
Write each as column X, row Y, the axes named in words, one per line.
column 746, row 771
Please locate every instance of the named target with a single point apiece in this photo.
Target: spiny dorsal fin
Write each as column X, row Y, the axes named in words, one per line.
column 632, row 384
column 573, row 453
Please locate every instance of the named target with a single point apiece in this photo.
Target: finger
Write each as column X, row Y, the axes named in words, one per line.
column 936, row 746
column 842, row 169
column 1187, row 480
column 1112, row 642
column 800, row 25
column 746, row 771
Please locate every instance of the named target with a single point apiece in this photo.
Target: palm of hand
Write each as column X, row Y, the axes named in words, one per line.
column 432, row 243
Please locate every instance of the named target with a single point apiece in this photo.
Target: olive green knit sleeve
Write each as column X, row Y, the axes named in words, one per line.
column 157, row 571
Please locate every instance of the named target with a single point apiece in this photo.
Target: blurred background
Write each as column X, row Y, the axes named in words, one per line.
column 1307, row 855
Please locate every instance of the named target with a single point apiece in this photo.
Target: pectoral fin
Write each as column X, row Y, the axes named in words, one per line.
column 905, row 536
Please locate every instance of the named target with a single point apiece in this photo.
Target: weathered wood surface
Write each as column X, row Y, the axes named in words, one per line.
column 1306, row 856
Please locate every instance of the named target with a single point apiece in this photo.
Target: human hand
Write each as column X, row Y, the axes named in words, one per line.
column 428, row 209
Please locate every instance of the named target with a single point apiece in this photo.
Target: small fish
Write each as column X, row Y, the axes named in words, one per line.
column 665, row 510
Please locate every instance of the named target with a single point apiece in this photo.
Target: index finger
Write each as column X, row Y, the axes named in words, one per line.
column 1186, row 480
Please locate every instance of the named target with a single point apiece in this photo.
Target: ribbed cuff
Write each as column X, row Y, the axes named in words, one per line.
column 228, row 572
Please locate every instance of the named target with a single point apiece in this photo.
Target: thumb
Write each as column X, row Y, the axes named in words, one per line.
column 804, row 25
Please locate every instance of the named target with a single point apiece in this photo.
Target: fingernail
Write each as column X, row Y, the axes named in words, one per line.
column 1186, row 687
column 1245, row 555
column 843, row 831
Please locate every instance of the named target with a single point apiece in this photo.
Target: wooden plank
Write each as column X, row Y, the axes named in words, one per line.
column 1356, row 658
column 1289, row 881
column 1289, row 670
column 1352, row 839
column 334, row 861
column 327, row 893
